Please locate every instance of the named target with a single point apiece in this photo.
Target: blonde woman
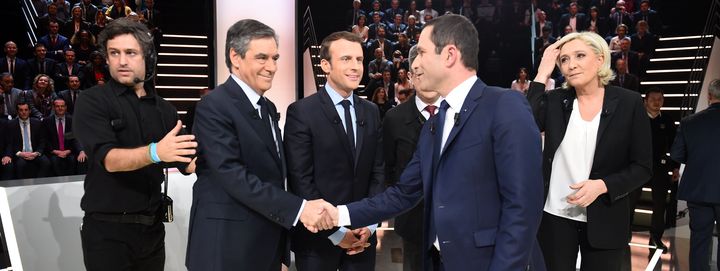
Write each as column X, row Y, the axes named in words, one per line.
column 596, row 153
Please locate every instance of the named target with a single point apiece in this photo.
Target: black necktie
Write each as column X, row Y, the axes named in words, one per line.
column 12, row 67
column 622, row 79
column 349, row 125
column 265, row 118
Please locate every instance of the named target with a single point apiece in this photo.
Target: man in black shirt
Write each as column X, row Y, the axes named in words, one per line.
column 127, row 131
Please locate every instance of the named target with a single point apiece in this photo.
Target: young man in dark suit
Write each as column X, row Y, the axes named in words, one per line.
column 63, row 150
column 401, row 129
column 25, row 145
column 696, row 146
column 333, row 141
column 241, row 212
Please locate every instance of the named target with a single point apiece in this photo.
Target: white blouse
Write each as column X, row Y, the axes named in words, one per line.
column 572, row 164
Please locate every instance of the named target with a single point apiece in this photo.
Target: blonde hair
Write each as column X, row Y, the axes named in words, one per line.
column 599, row 47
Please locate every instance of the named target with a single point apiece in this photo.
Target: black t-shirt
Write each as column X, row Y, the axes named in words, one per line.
column 112, row 116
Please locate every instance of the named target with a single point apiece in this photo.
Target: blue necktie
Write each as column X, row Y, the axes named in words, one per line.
column 436, row 128
column 26, row 137
column 349, row 126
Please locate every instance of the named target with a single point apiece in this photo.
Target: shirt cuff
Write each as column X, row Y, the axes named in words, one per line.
column 338, row 236
column 297, row 218
column 373, row 228
column 343, row 216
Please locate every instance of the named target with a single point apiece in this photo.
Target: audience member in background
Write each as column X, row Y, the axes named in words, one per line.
column 117, row 10
column 65, row 69
column 25, row 145
column 663, row 134
column 413, row 29
column 649, row 15
column 41, row 95
column 378, row 65
column 623, row 78
column 574, row 19
column 403, row 45
column 373, row 27
column 403, row 95
column 567, row 30
column 96, row 71
column 521, row 83
column 428, row 11
column 618, row 16
column 54, row 42
column 542, row 23
column 377, row 8
column 40, row 64
column 63, row 9
column 631, row 57
column 398, row 62
column 644, row 43
column 75, row 24
column 621, row 34
column 41, row 7
column 696, row 146
column 83, row 42
column 382, row 42
column 44, row 21
column 71, row 94
column 599, row 23
column 361, row 29
column 403, row 82
column 10, row 97
column 380, row 98
column 393, row 12
column 354, row 14
column 152, row 17
column 14, row 65
column 596, row 152
column 544, row 40
column 396, row 27
column 99, row 25
column 89, row 10
column 468, row 11
column 61, row 148
column 427, row 18
column 412, row 11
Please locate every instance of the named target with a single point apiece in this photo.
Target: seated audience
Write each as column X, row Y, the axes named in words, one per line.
column 96, row 71
column 9, row 95
column 361, row 29
column 522, row 83
column 76, row 24
column 54, row 42
column 61, row 149
column 40, row 64
column 614, row 42
column 623, row 78
column 631, row 57
column 83, row 42
column 65, row 69
column 15, row 65
column 71, row 94
column 380, row 98
column 25, row 145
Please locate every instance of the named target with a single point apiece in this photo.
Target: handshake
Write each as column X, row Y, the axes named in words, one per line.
column 320, row 215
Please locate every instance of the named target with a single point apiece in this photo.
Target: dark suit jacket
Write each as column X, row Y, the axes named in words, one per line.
column 240, row 211
column 387, row 49
column 696, row 146
column 21, row 76
column 601, row 24
column 52, row 136
column 14, row 141
column 54, row 51
column 14, row 98
column 68, row 30
column 630, row 82
column 633, row 61
column 401, row 130
column 36, row 67
column 565, row 20
column 653, row 20
column 486, row 202
column 320, row 161
column 623, row 154
column 66, row 95
column 61, row 74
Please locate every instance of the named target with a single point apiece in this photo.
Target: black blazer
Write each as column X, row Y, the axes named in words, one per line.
column 36, row 67
column 21, row 74
column 320, row 161
column 623, row 154
column 565, row 20
column 52, row 136
column 240, row 211
column 61, row 74
column 401, row 130
column 630, row 81
column 14, row 141
column 69, row 102
column 696, row 146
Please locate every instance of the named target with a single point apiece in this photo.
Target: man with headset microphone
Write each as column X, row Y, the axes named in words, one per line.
column 127, row 132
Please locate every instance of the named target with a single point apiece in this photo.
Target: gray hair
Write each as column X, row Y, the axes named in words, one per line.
column 242, row 33
column 714, row 89
column 412, row 55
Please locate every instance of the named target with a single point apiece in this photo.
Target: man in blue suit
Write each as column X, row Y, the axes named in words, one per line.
column 477, row 164
column 696, row 146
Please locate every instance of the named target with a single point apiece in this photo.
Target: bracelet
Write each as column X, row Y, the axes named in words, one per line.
column 152, row 149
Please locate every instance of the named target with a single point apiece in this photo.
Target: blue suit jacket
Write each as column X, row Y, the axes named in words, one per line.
column 486, row 202
column 695, row 146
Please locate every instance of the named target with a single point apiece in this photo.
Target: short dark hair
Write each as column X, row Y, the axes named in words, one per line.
column 340, row 35
column 19, row 103
column 124, row 26
column 458, row 30
column 240, row 34
column 654, row 90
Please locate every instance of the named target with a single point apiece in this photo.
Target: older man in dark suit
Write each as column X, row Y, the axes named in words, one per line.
column 240, row 211
column 15, row 66
column 696, row 146
column 9, row 96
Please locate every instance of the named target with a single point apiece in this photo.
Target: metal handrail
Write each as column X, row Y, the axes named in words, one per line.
column 707, row 38
column 31, row 16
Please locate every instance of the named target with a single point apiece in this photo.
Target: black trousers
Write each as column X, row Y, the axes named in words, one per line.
column 560, row 239
column 63, row 166
column 413, row 256
column 335, row 259
column 702, row 219
column 110, row 246
column 36, row 168
column 660, row 183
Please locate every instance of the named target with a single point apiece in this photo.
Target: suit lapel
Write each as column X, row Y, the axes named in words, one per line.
column 465, row 112
column 610, row 102
column 360, row 119
column 248, row 111
column 331, row 114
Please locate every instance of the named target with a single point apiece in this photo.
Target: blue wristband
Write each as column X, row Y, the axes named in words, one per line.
column 153, row 153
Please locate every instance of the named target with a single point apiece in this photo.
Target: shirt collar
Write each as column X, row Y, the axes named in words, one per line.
column 457, row 95
column 335, row 97
column 253, row 96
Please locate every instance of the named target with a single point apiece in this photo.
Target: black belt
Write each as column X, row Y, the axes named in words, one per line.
column 147, row 220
